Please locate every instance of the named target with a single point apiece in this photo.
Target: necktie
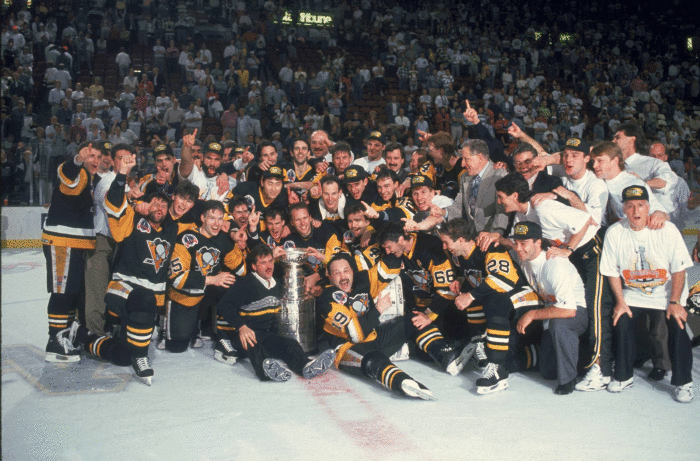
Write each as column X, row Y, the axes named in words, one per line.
column 473, row 192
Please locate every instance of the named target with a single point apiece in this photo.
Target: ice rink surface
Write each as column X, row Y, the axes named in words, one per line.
column 200, row 409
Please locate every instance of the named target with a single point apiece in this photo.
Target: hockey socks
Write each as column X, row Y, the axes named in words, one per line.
column 109, row 349
column 433, row 343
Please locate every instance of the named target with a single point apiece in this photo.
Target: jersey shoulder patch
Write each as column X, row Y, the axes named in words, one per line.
column 189, row 240
column 340, row 297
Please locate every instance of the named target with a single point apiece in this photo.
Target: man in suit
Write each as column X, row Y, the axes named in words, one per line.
column 476, row 199
column 538, row 181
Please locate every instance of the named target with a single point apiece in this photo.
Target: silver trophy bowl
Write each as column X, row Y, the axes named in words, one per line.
column 297, row 320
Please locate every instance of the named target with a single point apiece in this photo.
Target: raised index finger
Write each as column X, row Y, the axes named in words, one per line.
column 468, row 106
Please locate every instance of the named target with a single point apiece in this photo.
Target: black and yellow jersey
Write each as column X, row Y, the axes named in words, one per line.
column 144, row 251
column 447, row 179
column 326, row 239
column 195, row 258
column 252, row 193
column 351, row 316
column 266, row 238
column 70, row 220
column 253, row 303
column 309, row 175
column 365, row 257
column 494, row 271
column 427, row 270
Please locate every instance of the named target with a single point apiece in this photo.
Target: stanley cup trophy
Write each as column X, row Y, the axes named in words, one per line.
column 297, row 318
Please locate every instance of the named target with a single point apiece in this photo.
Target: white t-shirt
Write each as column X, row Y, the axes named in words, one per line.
column 558, row 221
column 645, row 260
column 556, row 281
column 648, row 168
column 617, row 185
column 369, row 165
column 208, row 190
column 593, row 193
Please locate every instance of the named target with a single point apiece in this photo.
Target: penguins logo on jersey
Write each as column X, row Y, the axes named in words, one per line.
column 207, row 260
column 271, row 242
column 189, row 240
column 340, row 297
column 360, row 303
column 474, row 277
column 160, row 250
column 291, row 175
column 348, row 237
column 144, row 226
column 421, row 279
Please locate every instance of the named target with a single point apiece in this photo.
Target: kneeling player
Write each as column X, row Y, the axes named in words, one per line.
column 363, row 344
column 251, row 306
column 493, row 288
column 195, row 271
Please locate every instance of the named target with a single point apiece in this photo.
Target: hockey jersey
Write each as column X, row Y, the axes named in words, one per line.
column 195, row 258
column 426, row 269
column 325, row 239
column 494, row 271
column 70, row 221
column 252, row 303
column 144, row 251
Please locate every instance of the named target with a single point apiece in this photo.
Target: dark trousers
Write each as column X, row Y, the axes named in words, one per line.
column 560, row 346
column 597, row 343
column 679, row 349
column 271, row 345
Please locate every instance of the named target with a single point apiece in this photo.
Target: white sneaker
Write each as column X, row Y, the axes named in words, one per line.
column 684, row 393
column 619, row 386
column 594, row 380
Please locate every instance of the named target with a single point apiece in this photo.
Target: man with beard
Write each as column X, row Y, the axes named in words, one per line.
column 139, row 276
column 205, row 177
column 198, row 279
column 350, row 310
column 252, row 306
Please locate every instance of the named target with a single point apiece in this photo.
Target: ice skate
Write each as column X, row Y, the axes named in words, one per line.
column 143, row 369
column 276, row 371
column 415, row 389
column 494, row 379
column 225, row 353
column 60, row 348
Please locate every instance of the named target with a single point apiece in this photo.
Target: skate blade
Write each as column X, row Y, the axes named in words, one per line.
column 416, row 391
column 53, row 357
column 503, row 385
column 220, row 357
column 146, row 379
column 458, row 364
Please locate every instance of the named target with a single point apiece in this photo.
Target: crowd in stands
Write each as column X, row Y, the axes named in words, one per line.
column 404, row 92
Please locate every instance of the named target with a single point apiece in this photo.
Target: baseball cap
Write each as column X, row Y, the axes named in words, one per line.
column 163, row 149
column 421, row 180
column 214, row 147
column 273, row 172
column 578, row 145
column 635, row 193
column 527, row 230
column 354, row 173
column 376, row 135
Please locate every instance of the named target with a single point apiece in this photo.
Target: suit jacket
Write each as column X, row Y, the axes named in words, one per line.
column 546, row 182
column 488, row 217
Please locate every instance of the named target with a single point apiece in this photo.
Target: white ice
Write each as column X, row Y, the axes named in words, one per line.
column 200, row 409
